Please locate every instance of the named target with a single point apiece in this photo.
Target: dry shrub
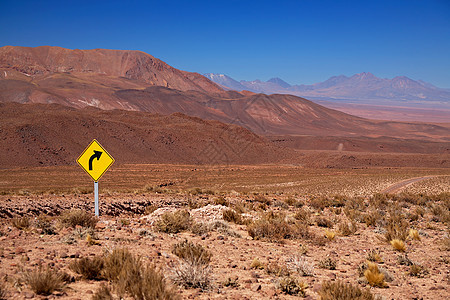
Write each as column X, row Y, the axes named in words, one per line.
column 103, row 293
column 261, row 199
column 328, row 263
column 404, row 260
column 274, row 268
column 147, row 283
column 324, row 222
column 44, row 281
column 88, row 268
column 330, row 235
column 192, row 270
column 44, row 223
column 78, row 217
column 174, row 222
column 338, row 290
column 398, row 245
column 195, row 253
column 417, row 270
column 397, row 226
column 374, row 256
column 115, row 262
column 129, row 275
column 303, row 215
column 293, row 286
column 270, row 227
column 22, row 223
column 3, row 291
column 230, row 215
column 373, row 275
column 414, row 234
column 221, row 201
column 301, row 265
column 345, row 229
column 231, row 282
column 256, row 264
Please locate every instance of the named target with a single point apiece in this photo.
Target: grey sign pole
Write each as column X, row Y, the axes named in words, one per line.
column 96, row 197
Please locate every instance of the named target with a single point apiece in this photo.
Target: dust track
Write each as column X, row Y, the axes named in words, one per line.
column 399, row 185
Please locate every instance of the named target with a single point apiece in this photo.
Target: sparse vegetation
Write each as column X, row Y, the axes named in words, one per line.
column 293, row 286
column 398, row 245
column 103, row 293
column 192, row 270
column 88, row 268
column 300, row 265
column 22, row 223
column 256, row 264
column 338, row 290
column 174, row 222
column 44, row 281
column 374, row 256
column 78, row 217
column 195, row 253
column 230, row 215
column 328, row 263
column 373, row 275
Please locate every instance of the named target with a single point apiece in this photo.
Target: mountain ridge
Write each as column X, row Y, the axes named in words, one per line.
column 362, row 87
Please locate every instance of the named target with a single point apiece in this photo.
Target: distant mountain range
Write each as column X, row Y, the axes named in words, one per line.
column 360, row 88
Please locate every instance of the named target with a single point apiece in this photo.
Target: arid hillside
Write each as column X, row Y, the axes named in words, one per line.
column 45, row 135
column 135, row 81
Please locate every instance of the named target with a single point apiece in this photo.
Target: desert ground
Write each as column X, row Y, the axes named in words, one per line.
column 226, row 232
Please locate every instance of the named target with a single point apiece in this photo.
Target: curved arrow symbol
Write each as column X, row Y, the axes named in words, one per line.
column 96, row 155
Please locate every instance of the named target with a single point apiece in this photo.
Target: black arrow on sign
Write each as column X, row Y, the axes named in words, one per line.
column 96, row 155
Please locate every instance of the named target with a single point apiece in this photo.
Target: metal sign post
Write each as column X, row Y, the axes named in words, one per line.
column 96, row 197
column 95, row 160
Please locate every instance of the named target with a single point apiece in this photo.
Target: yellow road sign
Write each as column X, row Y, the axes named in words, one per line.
column 95, row 160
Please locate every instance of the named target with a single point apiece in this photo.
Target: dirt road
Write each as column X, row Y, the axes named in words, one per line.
column 399, row 185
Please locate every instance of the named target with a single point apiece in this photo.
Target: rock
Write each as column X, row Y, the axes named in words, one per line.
column 256, row 288
column 28, row 295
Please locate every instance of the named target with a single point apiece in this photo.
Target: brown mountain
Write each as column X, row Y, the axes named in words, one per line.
column 134, row 65
column 132, row 80
column 44, row 135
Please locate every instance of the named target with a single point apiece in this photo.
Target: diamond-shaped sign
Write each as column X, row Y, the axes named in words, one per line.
column 95, row 160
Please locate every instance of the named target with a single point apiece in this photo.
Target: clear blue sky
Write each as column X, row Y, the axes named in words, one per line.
column 298, row 41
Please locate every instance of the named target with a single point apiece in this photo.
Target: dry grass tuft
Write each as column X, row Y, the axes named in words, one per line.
column 230, row 215
column 293, row 286
column 44, row 223
column 174, row 222
column 195, row 253
column 328, row 263
column 3, row 292
column 277, row 270
column 330, row 235
column 103, row 293
column 256, row 264
column 129, row 275
column 398, row 245
column 374, row 256
column 22, row 223
column 397, row 226
column 417, row 270
column 414, row 234
column 191, row 275
column 324, row 222
column 78, row 217
column 301, row 265
column 337, row 290
column 373, row 275
column 88, row 268
column 192, row 270
column 44, row 281
column 345, row 229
